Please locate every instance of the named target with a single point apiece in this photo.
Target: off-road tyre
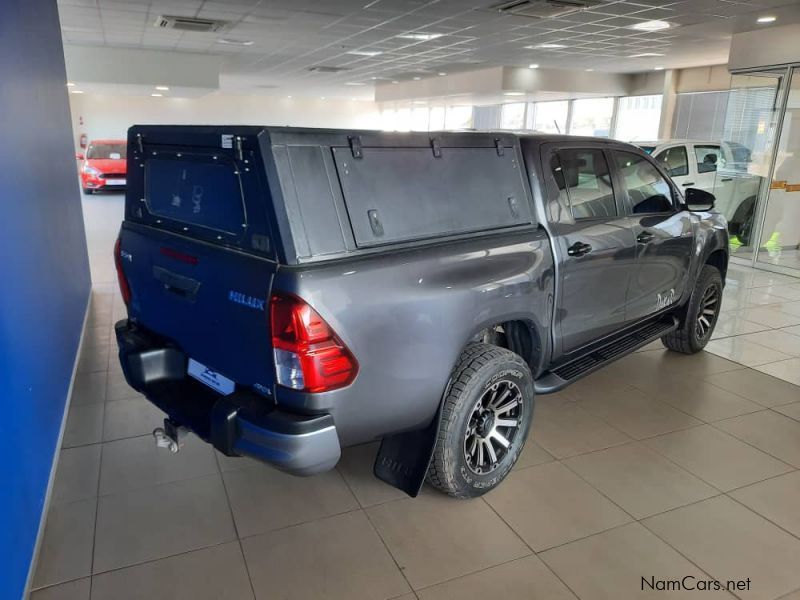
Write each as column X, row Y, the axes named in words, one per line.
column 692, row 335
column 484, row 374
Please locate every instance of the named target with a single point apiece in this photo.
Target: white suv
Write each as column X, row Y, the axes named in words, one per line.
column 717, row 167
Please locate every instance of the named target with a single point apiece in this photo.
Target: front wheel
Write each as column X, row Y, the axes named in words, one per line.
column 701, row 314
column 485, row 419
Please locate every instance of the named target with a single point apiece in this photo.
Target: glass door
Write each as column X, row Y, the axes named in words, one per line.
column 743, row 168
column 779, row 240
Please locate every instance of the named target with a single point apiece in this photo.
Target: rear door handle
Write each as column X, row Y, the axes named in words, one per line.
column 688, row 183
column 727, row 179
column 579, row 249
column 645, row 237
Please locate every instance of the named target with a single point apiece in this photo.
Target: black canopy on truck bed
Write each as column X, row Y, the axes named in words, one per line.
column 303, row 195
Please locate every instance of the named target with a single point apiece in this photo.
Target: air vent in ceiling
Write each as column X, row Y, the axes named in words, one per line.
column 544, row 9
column 327, row 69
column 190, row 24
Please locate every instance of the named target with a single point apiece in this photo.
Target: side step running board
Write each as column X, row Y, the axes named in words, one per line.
column 563, row 375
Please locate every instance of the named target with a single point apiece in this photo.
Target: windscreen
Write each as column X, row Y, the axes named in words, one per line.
column 107, row 151
column 196, row 191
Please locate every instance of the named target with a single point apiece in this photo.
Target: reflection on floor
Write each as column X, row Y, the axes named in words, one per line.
column 661, row 466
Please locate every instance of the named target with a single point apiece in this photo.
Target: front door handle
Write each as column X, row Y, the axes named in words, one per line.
column 645, row 237
column 579, row 249
column 688, row 183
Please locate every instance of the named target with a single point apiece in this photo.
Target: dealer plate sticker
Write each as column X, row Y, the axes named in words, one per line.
column 211, row 378
column 115, row 181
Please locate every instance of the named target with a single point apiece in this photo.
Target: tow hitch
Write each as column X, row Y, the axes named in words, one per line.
column 170, row 436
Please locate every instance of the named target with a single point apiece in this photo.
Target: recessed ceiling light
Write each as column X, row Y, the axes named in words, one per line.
column 156, row 95
column 417, row 78
column 513, row 93
column 767, row 19
column 356, row 82
column 533, row 66
column 442, row 73
column 364, row 52
column 589, row 70
column 322, row 97
column 395, row 81
column 162, row 88
column 289, row 97
column 76, row 91
column 645, row 54
column 658, row 68
column 651, row 26
column 233, row 42
column 421, row 37
column 70, row 84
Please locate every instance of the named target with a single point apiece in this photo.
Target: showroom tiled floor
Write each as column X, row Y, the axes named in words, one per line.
column 662, row 465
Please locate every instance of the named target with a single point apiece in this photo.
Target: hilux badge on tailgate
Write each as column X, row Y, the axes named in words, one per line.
column 245, row 300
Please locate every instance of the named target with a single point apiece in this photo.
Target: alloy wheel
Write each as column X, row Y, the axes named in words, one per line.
column 493, row 426
column 707, row 313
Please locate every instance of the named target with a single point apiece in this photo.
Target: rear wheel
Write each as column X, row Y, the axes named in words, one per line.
column 485, row 419
column 701, row 314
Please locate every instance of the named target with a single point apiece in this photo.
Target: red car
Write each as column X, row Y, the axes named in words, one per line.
column 104, row 167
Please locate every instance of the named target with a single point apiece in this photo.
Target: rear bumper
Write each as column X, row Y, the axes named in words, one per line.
column 240, row 424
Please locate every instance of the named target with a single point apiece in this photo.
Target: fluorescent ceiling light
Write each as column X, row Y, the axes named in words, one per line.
column 767, row 19
column 232, row 42
column 545, row 46
column 658, row 68
column 70, row 84
column 533, row 66
column 589, row 70
column 356, row 82
column 651, row 26
column 76, row 91
column 422, row 37
column 513, row 93
column 289, row 97
column 162, row 88
column 155, row 95
column 364, row 52
column 417, row 78
column 645, row 54
column 442, row 73
column 395, row 81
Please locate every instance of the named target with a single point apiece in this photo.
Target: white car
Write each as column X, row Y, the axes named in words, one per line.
column 717, row 167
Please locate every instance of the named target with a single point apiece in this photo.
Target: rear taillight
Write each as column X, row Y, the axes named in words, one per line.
column 309, row 356
column 124, row 288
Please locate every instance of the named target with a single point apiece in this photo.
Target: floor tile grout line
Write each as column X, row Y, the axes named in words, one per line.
column 766, row 518
column 378, row 533
column 749, row 443
column 235, row 526
column 499, row 516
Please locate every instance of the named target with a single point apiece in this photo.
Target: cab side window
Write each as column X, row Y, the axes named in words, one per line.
column 585, row 175
column 707, row 158
column 647, row 190
column 674, row 160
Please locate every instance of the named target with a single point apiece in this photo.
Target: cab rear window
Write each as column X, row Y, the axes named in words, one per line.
column 196, row 191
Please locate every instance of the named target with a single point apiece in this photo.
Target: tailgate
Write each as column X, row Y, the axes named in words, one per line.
column 210, row 300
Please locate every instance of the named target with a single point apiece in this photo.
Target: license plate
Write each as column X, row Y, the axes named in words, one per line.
column 116, row 181
column 211, row 378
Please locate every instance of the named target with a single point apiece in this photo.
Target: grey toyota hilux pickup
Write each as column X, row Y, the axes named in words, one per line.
column 291, row 292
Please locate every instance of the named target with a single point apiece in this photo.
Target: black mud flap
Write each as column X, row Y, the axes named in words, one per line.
column 403, row 458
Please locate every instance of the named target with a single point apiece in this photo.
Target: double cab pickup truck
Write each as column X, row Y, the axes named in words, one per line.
column 291, row 292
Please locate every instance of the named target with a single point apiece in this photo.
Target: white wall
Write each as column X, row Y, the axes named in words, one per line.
column 110, row 116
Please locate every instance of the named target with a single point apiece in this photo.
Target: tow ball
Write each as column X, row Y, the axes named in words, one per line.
column 170, row 436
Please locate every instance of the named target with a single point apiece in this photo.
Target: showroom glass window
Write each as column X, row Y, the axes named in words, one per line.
column 592, row 117
column 647, row 190
column 550, row 117
column 638, row 118
column 512, row 116
column 707, row 158
column 458, row 117
column 674, row 160
column 585, row 175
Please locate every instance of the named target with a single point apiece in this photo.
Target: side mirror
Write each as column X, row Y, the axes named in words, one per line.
column 699, row 200
column 79, row 156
